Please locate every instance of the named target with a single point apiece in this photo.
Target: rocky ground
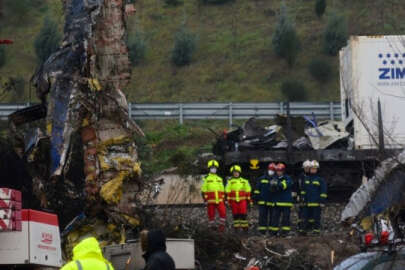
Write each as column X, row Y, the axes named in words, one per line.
column 232, row 250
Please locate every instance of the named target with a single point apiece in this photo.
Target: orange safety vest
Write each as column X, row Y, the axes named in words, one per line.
column 238, row 189
column 213, row 189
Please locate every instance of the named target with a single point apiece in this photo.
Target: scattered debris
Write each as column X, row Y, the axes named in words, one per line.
column 383, row 191
column 253, row 136
column 326, row 134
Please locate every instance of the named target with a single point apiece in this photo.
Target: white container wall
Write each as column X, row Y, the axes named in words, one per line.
column 372, row 69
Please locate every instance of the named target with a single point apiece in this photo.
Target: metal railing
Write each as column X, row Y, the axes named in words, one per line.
column 224, row 111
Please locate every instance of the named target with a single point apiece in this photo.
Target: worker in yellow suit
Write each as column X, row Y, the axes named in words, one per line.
column 213, row 192
column 238, row 194
column 87, row 255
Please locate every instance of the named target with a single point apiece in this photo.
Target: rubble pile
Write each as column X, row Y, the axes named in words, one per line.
column 236, row 250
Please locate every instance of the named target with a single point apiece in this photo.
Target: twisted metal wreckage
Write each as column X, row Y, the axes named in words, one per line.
column 84, row 80
column 382, row 196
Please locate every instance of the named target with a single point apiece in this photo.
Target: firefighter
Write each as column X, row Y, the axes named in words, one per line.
column 263, row 199
column 238, row 194
column 213, row 192
column 87, row 255
column 314, row 193
column 283, row 202
column 306, row 165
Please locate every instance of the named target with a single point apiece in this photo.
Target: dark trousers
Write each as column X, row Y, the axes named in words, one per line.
column 264, row 217
column 312, row 217
column 282, row 212
column 301, row 219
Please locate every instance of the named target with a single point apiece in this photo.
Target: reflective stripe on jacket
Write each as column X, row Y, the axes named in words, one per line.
column 314, row 190
column 87, row 255
column 238, row 189
column 283, row 195
column 262, row 194
column 213, row 188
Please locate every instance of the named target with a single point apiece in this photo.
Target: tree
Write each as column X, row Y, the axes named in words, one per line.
column 184, row 47
column 173, row 2
column 320, row 7
column 137, row 48
column 47, row 41
column 2, row 56
column 335, row 35
column 285, row 40
column 294, row 90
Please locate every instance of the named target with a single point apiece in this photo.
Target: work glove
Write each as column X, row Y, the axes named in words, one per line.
column 322, row 205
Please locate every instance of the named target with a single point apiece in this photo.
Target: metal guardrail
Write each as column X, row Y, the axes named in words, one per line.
column 230, row 111
column 224, row 111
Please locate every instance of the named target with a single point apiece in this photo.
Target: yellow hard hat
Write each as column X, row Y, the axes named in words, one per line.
column 236, row 168
column 212, row 163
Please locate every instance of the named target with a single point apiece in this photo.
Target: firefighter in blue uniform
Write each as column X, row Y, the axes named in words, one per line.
column 314, row 193
column 263, row 198
column 306, row 165
column 283, row 202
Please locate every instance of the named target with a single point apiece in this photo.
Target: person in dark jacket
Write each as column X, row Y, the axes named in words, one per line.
column 306, row 165
column 262, row 196
column 315, row 196
column 283, row 202
column 153, row 243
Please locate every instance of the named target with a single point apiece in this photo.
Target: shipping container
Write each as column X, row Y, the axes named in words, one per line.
column 372, row 68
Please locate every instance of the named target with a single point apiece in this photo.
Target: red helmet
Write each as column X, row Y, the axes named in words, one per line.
column 272, row 166
column 280, row 167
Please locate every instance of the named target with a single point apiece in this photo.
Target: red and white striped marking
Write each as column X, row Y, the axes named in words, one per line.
column 8, row 204
column 10, row 194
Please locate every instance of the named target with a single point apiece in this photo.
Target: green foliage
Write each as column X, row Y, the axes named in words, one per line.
column 19, row 85
column 285, row 39
column 2, row 56
column 173, row 2
column 19, row 9
column 215, row 2
column 320, row 7
column 47, row 41
column 320, row 70
column 335, row 35
column 137, row 48
column 184, row 47
column 294, row 90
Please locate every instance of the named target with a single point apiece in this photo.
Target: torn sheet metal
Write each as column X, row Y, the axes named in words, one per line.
column 84, row 80
column 302, row 143
column 326, row 134
column 384, row 190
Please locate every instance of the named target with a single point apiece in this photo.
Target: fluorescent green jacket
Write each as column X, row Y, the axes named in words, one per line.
column 87, row 255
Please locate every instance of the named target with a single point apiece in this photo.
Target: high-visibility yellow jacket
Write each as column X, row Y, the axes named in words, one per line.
column 238, row 189
column 213, row 188
column 87, row 255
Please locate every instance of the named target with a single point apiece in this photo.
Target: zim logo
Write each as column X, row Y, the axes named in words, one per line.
column 393, row 66
column 46, row 238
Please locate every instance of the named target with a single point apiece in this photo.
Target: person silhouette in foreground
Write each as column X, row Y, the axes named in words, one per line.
column 153, row 244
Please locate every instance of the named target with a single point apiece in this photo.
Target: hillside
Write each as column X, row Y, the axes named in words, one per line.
column 234, row 60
